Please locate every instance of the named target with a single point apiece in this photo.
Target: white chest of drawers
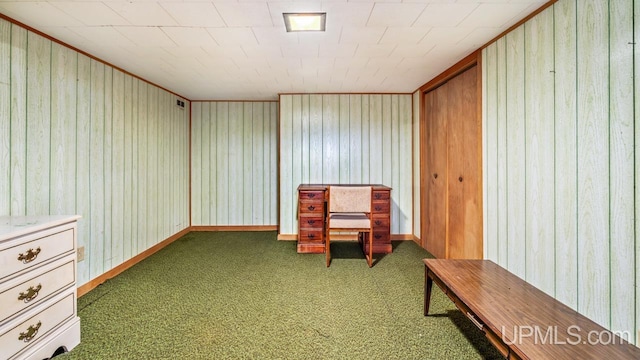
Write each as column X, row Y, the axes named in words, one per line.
column 38, row 295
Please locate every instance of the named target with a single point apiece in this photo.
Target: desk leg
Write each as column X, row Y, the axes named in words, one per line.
column 428, row 283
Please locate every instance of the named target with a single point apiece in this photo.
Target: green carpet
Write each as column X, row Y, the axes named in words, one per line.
column 240, row 295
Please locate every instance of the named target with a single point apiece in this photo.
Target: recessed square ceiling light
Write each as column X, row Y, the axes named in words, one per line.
column 305, row 21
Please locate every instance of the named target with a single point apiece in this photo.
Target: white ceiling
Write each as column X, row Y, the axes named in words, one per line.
column 239, row 50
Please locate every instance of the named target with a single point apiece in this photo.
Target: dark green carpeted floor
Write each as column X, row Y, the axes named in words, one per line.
column 239, row 295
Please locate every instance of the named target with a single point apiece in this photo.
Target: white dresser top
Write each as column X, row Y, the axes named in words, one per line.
column 14, row 226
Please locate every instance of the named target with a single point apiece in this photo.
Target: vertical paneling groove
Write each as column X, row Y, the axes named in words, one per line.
column 566, row 147
column 394, row 162
column 621, row 164
column 5, row 117
column 96, row 170
column 356, row 138
column 83, row 186
column 491, row 168
column 232, row 145
column 404, row 166
column 196, row 163
column 416, row 165
column 63, row 130
column 579, row 63
column 117, row 175
column 593, row 162
column 206, row 197
column 515, row 153
column 38, row 124
column 539, row 151
column 502, row 154
column 213, row 163
column 247, row 166
column 18, row 143
column 636, row 158
column 107, row 166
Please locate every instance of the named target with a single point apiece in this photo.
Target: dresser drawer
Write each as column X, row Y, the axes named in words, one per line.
column 18, row 255
column 33, row 288
column 29, row 329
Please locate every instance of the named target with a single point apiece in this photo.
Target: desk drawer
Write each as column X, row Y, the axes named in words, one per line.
column 20, row 255
column 311, row 222
column 310, row 236
column 311, row 206
column 381, row 221
column 381, row 195
column 31, row 328
column 311, row 195
column 33, row 288
column 380, row 207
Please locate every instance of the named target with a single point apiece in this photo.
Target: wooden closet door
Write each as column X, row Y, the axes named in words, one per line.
column 435, row 174
column 464, row 208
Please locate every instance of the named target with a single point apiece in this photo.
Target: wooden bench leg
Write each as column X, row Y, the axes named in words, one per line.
column 428, row 283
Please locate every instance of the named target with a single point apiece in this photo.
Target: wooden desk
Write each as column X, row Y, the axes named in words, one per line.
column 521, row 321
column 312, row 200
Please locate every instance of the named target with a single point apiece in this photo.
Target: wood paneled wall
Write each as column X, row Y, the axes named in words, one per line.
column 234, row 166
column 80, row 137
column 561, row 162
column 346, row 138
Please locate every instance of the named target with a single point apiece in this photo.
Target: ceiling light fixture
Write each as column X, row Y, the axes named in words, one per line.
column 305, row 21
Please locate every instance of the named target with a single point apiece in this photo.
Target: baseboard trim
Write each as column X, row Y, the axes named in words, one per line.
column 288, row 237
column 85, row 288
column 403, row 237
column 234, row 228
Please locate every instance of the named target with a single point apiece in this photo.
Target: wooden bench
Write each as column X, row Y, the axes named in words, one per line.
column 521, row 321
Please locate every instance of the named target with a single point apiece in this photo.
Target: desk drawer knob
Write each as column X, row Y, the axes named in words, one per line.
column 311, row 236
column 311, row 207
column 29, row 256
column 311, row 222
column 377, row 236
column 30, row 294
column 378, row 222
column 311, row 195
column 31, row 332
column 378, row 208
column 378, row 196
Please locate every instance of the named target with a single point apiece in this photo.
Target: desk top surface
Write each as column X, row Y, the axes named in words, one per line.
column 323, row 187
column 532, row 323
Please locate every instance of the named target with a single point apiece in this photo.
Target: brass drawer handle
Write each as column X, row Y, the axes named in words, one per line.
column 311, row 207
column 378, row 208
column 311, row 195
column 475, row 321
column 377, row 236
column 30, row 294
column 311, row 236
column 29, row 256
column 377, row 196
column 311, row 222
column 31, row 332
column 378, row 222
